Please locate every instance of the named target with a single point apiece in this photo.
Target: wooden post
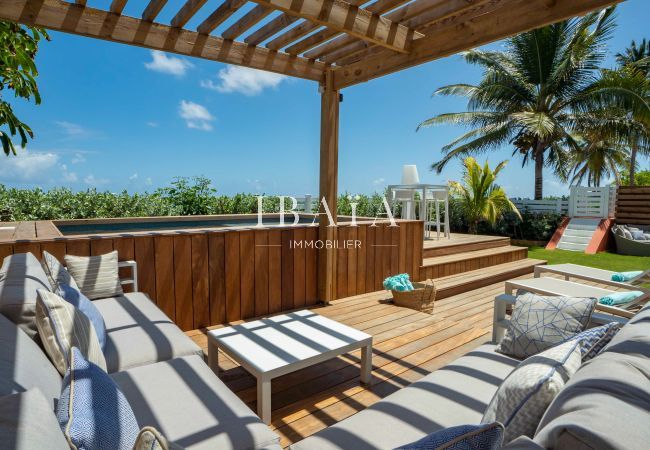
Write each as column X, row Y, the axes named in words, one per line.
column 329, row 152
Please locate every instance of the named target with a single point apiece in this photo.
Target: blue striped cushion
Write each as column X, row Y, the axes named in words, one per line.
column 463, row 437
column 593, row 340
column 81, row 302
column 92, row 411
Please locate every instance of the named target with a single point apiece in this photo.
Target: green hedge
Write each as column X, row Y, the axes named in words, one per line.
column 183, row 197
column 195, row 196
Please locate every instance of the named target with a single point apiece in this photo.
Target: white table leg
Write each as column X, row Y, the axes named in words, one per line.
column 366, row 364
column 213, row 356
column 499, row 314
column 264, row 400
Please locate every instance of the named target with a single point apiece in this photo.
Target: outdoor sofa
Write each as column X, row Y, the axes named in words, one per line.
column 632, row 240
column 604, row 405
column 160, row 370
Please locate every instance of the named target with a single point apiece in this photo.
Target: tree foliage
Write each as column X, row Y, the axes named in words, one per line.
column 478, row 197
column 18, row 47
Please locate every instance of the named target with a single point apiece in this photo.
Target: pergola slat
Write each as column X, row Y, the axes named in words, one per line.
column 341, row 16
column 67, row 17
column 220, row 15
column 188, row 10
column 299, row 31
column 153, row 9
column 435, row 10
column 270, row 28
column 117, row 6
column 245, row 23
column 510, row 18
column 379, row 7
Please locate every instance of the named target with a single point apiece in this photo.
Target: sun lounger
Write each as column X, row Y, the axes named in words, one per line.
column 555, row 286
column 592, row 274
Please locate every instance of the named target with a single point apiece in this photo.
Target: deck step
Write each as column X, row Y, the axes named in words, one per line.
column 578, row 234
column 475, row 279
column 441, row 266
column 466, row 243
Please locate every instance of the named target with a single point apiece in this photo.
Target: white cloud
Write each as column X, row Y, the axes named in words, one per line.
column 244, row 80
column 30, row 167
column 133, row 177
column 196, row 116
column 78, row 158
column 152, row 124
column 148, row 181
column 162, row 63
column 70, row 177
column 94, row 181
column 378, row 181
column 71, row 129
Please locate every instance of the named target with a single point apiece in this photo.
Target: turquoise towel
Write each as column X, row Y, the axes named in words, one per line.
column 618, row 298
column 626, row 276
column 399, row 282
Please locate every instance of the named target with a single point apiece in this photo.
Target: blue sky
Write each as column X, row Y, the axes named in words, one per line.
column 119, row 117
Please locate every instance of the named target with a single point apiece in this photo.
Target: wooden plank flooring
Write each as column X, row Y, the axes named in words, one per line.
column 407, row 346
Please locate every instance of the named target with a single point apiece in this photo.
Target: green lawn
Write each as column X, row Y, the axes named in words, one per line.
column 608, row 261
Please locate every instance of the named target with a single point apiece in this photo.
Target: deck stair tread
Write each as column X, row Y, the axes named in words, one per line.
column 463, row 256
column 474, row 279
column 462, row 243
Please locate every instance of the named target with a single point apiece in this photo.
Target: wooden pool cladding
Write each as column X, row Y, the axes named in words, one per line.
column 209, row 277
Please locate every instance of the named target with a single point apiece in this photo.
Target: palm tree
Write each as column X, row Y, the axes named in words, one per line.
column 598, row 160
column 636, row 55
column 527, row 94
column 478, row 197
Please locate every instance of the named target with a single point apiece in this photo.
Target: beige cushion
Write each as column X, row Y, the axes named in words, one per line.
column 456, row 394
column 522, row 399
column 24, row 365
column 21, row 276
column 133, row 317
column 96, row 276
column 27, row 422
column 192, row 407
column 62, row 327
column 56, row 273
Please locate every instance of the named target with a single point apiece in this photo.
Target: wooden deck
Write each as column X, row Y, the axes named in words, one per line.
column 407, row 346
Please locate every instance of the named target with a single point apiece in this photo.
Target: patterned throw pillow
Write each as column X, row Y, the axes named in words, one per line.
column 525, row 394
column 97, row 276
column 81, row 302
column 538, row 322
column 593, row 340
column 463, row 437
column 55, row 272
column 62, row 327
column 93, row 413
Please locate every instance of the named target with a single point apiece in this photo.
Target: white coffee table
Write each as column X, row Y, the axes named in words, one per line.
column 275, row 346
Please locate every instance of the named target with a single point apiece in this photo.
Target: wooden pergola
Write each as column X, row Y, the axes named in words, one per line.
column 333, row 42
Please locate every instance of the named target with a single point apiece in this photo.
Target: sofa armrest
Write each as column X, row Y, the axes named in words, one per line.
column 133, row 266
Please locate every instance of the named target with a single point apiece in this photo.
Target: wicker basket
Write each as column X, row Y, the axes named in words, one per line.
column 421, row 297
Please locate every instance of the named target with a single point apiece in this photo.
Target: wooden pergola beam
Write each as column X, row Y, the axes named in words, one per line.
column 341, row 16
column 70, row 18
column 512, row 17
column 328, row 186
